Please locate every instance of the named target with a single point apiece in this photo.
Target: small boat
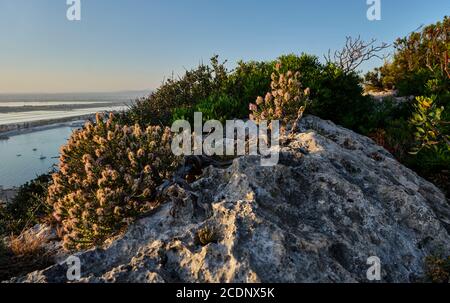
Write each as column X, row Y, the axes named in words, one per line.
column 34, row 149
column 19, row 155
column 42, row 157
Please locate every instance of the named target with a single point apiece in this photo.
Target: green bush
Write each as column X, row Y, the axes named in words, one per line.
column 28, row 208
column 338, row 96
column 413, row 84
column 334, row 94
column 222, row 108
column 249, row 80
column 419, row 57
column 108, row 174
column 216, row 107
column 194, row 85
column 431, row 130
column 373, row 81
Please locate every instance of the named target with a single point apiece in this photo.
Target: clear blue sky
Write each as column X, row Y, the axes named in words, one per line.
column 133, row 44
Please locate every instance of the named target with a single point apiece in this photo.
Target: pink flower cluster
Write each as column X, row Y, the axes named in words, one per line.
column 285, row 102
column 108, row 174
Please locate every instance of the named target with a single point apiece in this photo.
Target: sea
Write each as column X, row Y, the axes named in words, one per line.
column 26, row 155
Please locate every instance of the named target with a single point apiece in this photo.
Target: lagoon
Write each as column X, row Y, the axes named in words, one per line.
column 22, row 156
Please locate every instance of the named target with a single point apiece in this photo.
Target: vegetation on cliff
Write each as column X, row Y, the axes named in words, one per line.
column 110, row 170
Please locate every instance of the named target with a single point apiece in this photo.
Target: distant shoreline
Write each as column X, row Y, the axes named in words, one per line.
column 15, row 129
column 56, row 107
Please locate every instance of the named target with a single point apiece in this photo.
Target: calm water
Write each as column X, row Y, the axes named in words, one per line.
column 20, row 155
column 15, row 170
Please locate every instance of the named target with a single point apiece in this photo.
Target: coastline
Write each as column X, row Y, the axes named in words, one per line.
column 7, row 193
column 14, row 129
column 9, row 130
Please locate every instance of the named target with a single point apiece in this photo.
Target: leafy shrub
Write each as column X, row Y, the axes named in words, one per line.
column 194, row 85
column 108, row 174
column 373, row 81
column 286, row 101
column 307, row 65
column 216, row 107
column 249, row 80
column 28, row 208
column 420, row 57
column 412, row 84
column 252, row 79
column 432, row 131
column 338, row 96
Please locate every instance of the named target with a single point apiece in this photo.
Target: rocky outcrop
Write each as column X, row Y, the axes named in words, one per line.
column 334, row 200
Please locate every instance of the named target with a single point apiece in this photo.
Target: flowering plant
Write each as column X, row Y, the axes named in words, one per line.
column 286, row 102
column 108, row 174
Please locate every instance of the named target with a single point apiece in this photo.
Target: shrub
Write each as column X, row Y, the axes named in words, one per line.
column 249, row 80
column 432, row 130
column 222, row 108
column 338, row 96
column 28, row 208
column 108, row 174
column 372, row 80
column 216, row 107
column 194, row 85
column 286, row 101
column 419, row 57
column 412, row 84
column 307, row 65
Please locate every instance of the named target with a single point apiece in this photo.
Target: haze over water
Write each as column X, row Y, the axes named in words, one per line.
column 24, row 156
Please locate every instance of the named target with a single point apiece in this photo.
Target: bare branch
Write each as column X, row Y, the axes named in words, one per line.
column 355, row 52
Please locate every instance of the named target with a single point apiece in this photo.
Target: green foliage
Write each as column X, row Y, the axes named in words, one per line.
column 431, row 130
column 417, row 132
column 249, row 80
column 108, row 175
column 222, row 108
column 216, row 107
column 28, row 208
column 420, row 57
column 194, row 85
column 334, row 94
column 413, row 84
column 338, row 96
column 307, row 65
column 373, row 81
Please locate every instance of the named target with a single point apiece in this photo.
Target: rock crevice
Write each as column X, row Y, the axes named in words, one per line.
column 334, row 200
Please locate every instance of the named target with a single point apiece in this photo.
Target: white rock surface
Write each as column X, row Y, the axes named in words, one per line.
column 334, row 200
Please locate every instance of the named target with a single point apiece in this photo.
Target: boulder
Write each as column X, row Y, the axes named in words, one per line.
column 334, row 200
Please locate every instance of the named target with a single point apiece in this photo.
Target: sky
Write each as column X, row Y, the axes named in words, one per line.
column 134, row 44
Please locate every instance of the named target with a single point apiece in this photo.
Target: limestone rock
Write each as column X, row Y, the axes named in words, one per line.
column 334, row 200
